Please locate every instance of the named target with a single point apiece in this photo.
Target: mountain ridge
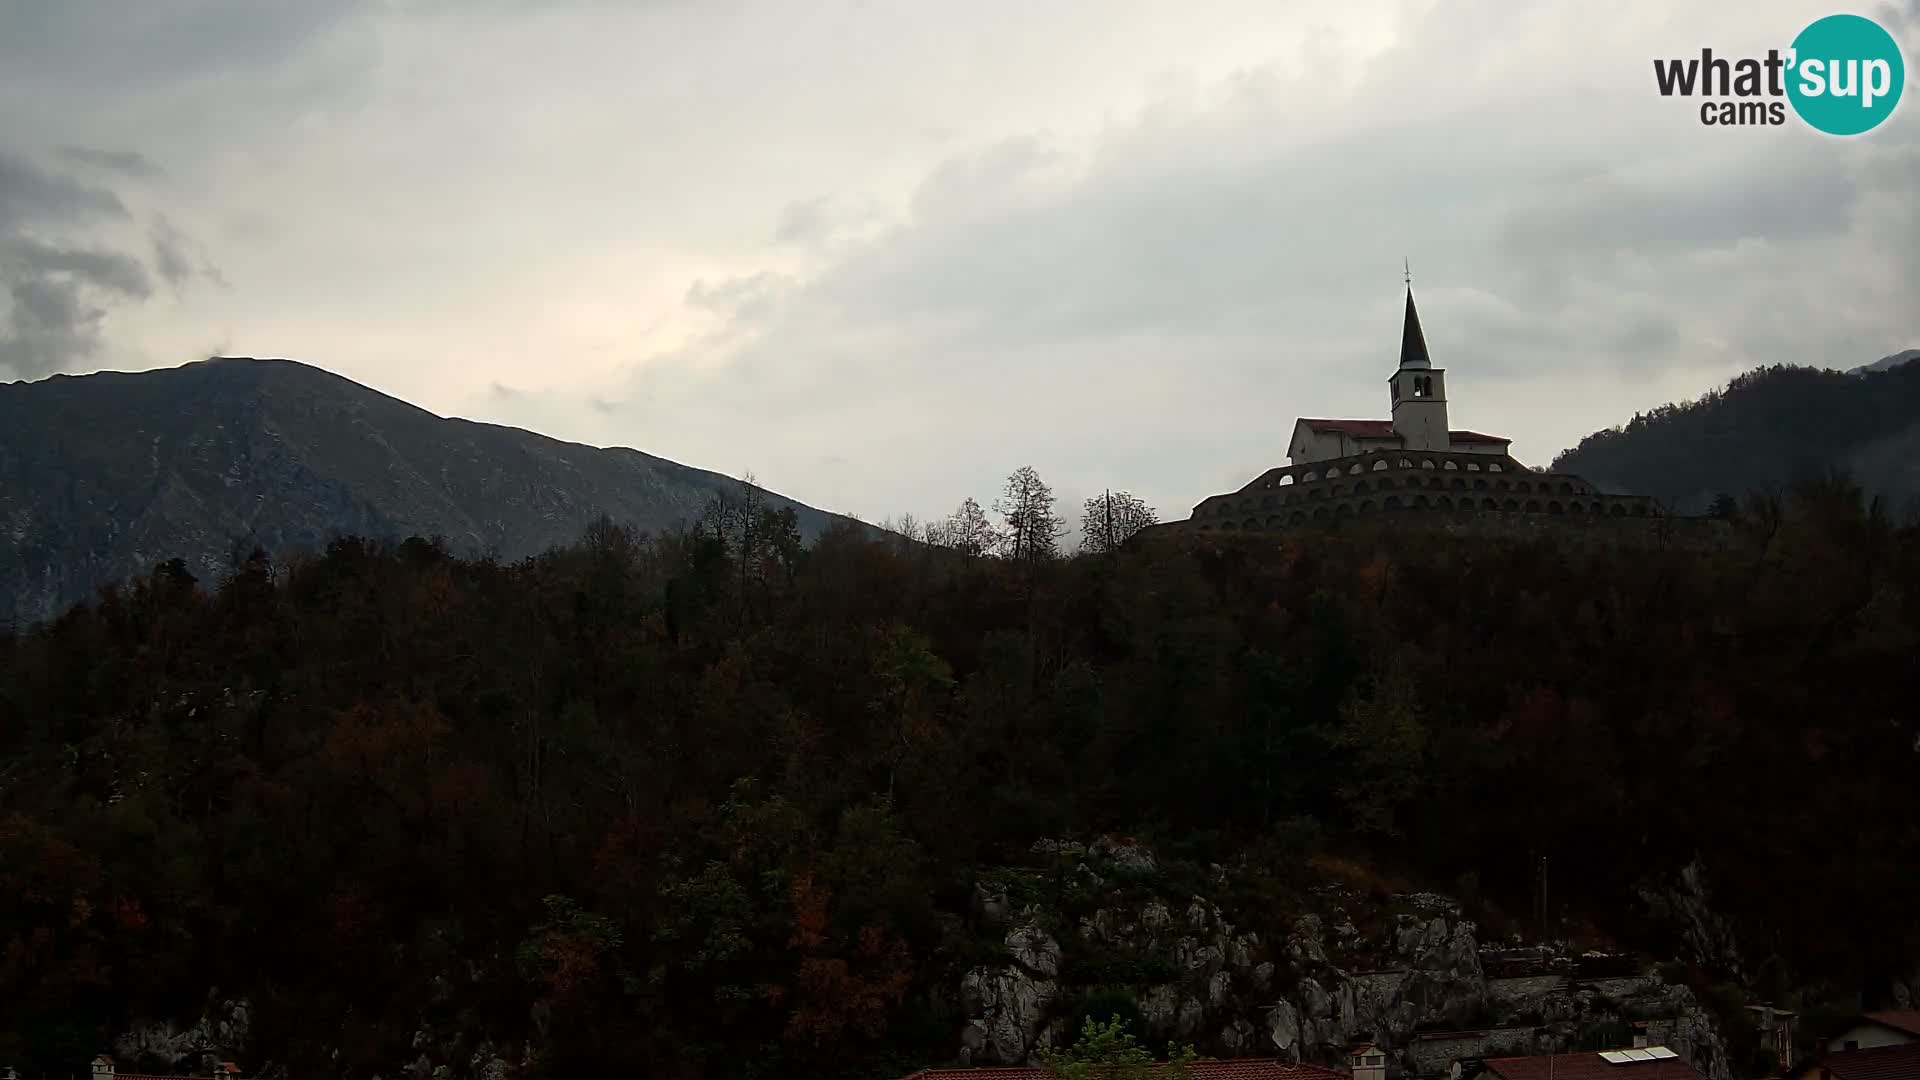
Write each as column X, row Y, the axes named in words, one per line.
column 1765, row 430
column 1887, row 363
column 105, row 473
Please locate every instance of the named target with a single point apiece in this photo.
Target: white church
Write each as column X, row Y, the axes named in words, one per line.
column 1413, row 463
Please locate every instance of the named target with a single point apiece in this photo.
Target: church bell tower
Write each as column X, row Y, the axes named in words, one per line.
column 1419, row 389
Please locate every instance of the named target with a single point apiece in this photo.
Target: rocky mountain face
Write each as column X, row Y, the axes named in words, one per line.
column 103, row 475
column 1412, row 975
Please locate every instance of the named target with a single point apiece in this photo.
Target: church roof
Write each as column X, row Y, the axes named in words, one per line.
column 1383, row 429
column 1413, row 343
column 1231, row 1069
column 1359, row 429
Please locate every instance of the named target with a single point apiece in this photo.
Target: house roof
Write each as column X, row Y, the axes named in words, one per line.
column 226, row 1068
column 1235, row 1069
column 1904, row 1020
column 1900, row 1062
column 1586, row 1065
column 1383, row 429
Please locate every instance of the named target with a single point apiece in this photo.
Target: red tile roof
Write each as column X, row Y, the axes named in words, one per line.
column 1907, row 1020
column 1359, row 429
column 227, row 1068
column 1383, row 429
column 1586, row 1065
column 1236, row 1069
column 1900, row 1062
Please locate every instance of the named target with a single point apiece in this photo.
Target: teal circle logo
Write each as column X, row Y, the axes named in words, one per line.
column 1846, row 74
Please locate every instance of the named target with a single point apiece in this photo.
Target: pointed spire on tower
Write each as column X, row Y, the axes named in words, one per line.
column 1413, row 344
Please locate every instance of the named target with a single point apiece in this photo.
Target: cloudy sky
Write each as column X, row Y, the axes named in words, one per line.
column 880, row 252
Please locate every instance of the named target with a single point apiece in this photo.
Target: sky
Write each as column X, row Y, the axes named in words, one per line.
column 880, row 254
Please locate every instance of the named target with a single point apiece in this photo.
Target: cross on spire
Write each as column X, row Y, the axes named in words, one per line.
column 1409, row 267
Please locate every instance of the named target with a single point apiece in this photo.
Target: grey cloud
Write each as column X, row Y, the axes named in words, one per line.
column 749, row 299
column 50, row 325
column 108, row 271
column 178, row 259
column 1197, row 281
column 1618, row 211
column 1902, row 14
column 31, row 193
column 818, row 222
column 61, row 280
column 129, row 163
column 170, row 256
column 107, row 45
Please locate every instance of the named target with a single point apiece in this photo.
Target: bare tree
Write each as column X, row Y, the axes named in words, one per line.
column 938, row 534
column 968, row 531
column 1110, row 520
column 742, row 521
column 1032, row 531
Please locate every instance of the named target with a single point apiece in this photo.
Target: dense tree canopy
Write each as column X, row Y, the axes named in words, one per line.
column 1764, row 431
column 710, row 804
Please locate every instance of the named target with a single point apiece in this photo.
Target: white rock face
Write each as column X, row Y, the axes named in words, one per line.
column 1011, row 1004
column 1033, row 949
column 219, row 1035
column 1320, row 986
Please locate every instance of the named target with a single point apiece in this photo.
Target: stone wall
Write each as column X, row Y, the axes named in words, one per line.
column 1507, row 992
column 1456, row 493
column 1433, row 1054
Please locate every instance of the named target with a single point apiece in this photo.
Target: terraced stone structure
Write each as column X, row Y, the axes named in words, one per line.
column 1425, row 482
column 1413, row 468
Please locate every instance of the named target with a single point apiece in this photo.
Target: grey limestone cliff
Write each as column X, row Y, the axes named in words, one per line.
column 1419, row 980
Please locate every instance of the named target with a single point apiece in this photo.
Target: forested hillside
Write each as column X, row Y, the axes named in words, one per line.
column 1767, row 429
column 711, row 804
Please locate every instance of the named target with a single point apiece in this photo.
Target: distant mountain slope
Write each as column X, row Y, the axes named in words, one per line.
column 1887, row 363
column 102, row 475
column 1766, row 428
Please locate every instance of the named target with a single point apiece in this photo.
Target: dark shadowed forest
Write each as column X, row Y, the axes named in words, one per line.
column 1762, row 432
column 712, row 803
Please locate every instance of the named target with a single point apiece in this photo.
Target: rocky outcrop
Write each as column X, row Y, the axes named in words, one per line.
column 1418, row 969
column 1682, row 903
column 1435, row 979
column 219, row 1035
column 1011, row 1005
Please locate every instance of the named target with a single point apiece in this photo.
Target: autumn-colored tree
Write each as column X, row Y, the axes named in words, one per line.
column 346, row 784
column 842, row 989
